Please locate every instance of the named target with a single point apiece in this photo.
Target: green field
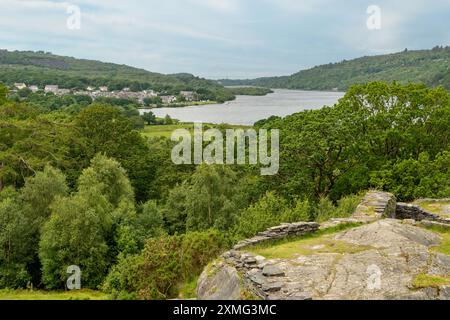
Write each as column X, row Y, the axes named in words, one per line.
column 156, row 131
column 52, row 295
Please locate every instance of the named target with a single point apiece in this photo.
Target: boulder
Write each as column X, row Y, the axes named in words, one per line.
column 219, row 281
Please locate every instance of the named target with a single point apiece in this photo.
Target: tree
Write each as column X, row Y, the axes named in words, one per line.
column 149, row 117
column 76, row 235
column 83, row 227
column 208, row 203
column 40, row 191
column 168, row 120
column 318, row 147
column 15, row 244
column 107, row 177
column 133, row 232
column 105, row 130
column 265, row 213
column 3, row 94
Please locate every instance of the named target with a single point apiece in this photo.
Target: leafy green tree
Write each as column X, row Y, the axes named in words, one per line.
column 109, row 178
column 208, row 202
column 133, row 232
column 318, row 147
column 265, row 213
column 168, row 120
column 83, row 227
column 411, row 179
column 15, row 244
column 149, row 118
column 3, row 94
column 105, row 130
column 76, row 235
column 40, row 191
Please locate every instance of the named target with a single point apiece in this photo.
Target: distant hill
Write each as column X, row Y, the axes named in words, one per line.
column 41, row 68
column 431, row 67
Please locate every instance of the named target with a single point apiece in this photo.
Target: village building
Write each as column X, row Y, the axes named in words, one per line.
column 168, row 99
column 34, row 88
column 20, row 86
column 189, row 95
column 103, row 89
column 63, row 92
column 51, row 88
column 150, row 93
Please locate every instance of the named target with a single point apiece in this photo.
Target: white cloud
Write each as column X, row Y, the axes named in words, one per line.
column 223, row 6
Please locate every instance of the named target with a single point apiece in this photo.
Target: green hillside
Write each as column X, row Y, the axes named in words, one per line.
column 427, row 66
column 41, row 68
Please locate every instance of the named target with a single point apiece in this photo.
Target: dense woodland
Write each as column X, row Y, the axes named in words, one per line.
column 426, row 66
column 80, row 185
column 249, row 91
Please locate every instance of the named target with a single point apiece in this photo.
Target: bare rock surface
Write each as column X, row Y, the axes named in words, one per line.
column 219, row 282
column 393, row 255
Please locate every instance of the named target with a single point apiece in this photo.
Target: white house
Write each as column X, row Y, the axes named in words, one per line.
column 34, row 88
column 20, row 86
column 103, row 89
column 51, row 88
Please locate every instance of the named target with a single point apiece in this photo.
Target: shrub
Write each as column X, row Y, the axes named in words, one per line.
column 165, row 263
column 265, row 213
column 325, row 210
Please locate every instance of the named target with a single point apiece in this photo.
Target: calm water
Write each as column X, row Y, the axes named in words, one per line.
column 246, row 110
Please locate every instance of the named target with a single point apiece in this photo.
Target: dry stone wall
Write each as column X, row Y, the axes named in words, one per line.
column 376, row 205
column 279, row 232
column 415, row 212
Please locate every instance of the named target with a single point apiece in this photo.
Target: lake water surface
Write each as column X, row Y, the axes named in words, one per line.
column 246, row 110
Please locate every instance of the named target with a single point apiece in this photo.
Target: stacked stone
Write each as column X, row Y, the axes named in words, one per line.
column 279, row 232
column 376, row 205
column 415, row 212
column 260, row 276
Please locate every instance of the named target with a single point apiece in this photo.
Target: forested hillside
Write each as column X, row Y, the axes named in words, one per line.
column 430, row 67
column 40, row 68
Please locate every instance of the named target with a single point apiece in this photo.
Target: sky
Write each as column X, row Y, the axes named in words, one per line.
column 217, row 39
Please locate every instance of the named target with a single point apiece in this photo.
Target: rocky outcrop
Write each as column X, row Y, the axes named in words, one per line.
column 381, row 259
column 219, row 281
column 392, row 255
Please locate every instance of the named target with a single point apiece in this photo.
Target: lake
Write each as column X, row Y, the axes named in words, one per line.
column 246, row 110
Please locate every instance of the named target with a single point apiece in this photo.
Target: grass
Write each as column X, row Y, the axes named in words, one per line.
column 155, row 131
column 7, row 294
column 188, row 290
column 436, row 208
column 165, row 130
column 444, row 245
column 319, row 242
column 426, row 281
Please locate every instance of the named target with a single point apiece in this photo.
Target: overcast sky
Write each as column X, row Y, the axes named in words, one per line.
column 223, row 38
